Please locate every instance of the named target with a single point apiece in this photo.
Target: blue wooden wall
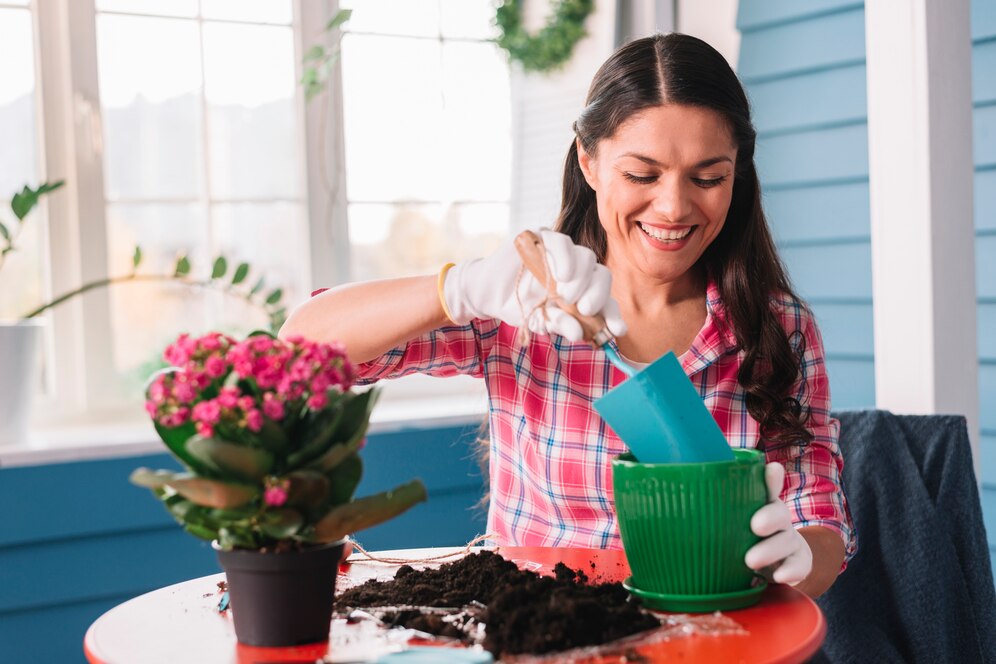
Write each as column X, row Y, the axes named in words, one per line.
column 78, row 539
column 803, row 64
column 984, row 148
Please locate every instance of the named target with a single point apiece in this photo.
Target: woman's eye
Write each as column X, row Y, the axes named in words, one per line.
column 640, row 179
column 705, row 183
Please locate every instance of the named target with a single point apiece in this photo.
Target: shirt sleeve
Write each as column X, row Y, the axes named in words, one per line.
column 447, row 351
column 813, row 491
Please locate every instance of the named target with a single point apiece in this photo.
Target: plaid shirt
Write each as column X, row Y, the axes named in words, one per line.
column 551, row 473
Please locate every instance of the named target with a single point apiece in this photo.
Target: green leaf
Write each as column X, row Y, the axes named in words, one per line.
column 308, row 489
column 341, row 17
column 151, row 479
column 241, row 272
column 236, row 537
column 136, row 258
column 213, row 493
column 25, row 200
column 258, row 287
column 273, row 437
column 369, row 511
column 182, row 267
column 344, row 479
column 4, row 232
column 201, row 532
column 47, row 187
column 282, row 523
column 316, row 52
column 274, row 296
column 220, row 267
column 244, row 463
column 356, row 415
column 176, row 440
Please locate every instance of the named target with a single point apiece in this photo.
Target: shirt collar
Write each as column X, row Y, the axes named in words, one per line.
column 714, row 340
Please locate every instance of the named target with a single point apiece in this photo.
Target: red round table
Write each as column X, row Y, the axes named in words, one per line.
column 181, row 623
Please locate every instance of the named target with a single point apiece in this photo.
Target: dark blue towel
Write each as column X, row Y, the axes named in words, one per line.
column 920, row 588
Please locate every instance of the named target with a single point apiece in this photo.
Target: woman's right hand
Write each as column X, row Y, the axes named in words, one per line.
column 486, row 288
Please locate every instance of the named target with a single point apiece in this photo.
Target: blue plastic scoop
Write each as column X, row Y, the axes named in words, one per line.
column 657, row 411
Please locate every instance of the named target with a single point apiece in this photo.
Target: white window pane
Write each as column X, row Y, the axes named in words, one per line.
column 250, row 86
column 272, row 238
column 150, row 84
column 160, row 7
column 392, row 109
column 256, row 11
column 394, row 17
column 405, row 240
column 468, row 19
column 478, row 131
column 17, row 104
column 146, row 316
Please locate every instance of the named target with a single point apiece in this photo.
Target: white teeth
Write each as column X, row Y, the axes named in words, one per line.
column 665, row 235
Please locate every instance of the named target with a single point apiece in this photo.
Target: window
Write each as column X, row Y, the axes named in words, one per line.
column 188, row 134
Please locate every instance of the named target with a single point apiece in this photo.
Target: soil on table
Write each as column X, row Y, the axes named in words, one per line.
column 523, row 611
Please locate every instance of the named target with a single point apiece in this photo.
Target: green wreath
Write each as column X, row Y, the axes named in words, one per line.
column 552, row 46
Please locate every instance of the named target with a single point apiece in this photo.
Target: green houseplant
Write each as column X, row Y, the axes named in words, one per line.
column 268, row 432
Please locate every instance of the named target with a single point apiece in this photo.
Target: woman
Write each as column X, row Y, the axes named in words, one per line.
column 661, row 231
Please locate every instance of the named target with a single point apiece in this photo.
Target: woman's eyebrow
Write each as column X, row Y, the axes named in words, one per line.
column 705, row 163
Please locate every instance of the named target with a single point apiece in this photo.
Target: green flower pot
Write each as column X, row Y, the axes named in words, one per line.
column 686, row 528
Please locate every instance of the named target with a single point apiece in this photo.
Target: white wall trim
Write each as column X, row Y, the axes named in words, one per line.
column 920, row 166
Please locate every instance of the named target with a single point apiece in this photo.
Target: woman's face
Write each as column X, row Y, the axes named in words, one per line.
column 664, row 182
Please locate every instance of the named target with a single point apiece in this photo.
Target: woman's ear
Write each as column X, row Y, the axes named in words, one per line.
column 586, row 163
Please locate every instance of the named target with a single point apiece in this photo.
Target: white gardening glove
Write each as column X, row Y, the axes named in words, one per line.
column 783, row 548
column 485, row 288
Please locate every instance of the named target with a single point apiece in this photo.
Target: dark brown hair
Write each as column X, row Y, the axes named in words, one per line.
column 742, row 260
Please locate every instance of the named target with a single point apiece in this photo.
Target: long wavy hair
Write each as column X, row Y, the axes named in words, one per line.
column 742, row 261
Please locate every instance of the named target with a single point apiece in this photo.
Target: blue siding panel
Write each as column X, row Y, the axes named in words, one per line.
column 983, row 19
column 852, row 383
column 987, row 396
column 819, row 213
column 753, row 14
column 985, row 200
column 813, row 156
column 987, row 457
column 834, row 40
column 75, row 570
column 847, row 328
column 984, row 72
column 984, row 137
column 112, row 504
column 807, row 101
column 831, row 271
column 987, row 333
column 51, row 635
column 985, row 266
column 988, row 496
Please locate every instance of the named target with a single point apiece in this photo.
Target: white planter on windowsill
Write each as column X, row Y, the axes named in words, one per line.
column 19, row 342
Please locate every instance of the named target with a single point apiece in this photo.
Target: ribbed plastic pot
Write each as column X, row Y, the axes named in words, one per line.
column 281, row 599
column 686, row 527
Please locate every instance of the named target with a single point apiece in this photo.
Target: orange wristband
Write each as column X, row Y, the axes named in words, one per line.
column 439, row 287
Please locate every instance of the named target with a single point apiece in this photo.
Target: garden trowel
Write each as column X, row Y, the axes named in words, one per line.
column 656, row 411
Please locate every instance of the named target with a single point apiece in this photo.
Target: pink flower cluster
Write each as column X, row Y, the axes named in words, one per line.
column 238, row 385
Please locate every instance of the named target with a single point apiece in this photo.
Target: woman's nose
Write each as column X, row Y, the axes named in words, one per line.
column 672, row 202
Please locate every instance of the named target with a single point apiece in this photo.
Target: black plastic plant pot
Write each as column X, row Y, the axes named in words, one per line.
column 281, row 599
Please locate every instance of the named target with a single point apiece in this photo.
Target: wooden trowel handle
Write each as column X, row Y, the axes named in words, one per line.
column 531, row 251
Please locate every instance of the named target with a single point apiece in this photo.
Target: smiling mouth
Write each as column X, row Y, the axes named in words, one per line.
column 665, row 235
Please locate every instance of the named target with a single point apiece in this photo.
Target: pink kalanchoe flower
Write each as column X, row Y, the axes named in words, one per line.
column 273, row 407
column 228, row 397
column 317, row 401
column 275, row 495
column 215, row 366
column 254, row 420
column 207, row 412
column 184, row 391
column 205, row 430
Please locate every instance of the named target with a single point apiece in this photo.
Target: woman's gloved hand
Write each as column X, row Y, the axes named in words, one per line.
column 783, row 549
column 486, row 288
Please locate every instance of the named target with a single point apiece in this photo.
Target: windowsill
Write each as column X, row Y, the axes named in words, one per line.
column 106, row 441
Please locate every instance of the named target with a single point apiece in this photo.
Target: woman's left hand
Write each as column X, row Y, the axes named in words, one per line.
column 783, row 555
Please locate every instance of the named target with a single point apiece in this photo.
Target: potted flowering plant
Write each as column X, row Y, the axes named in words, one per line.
column 268, row 431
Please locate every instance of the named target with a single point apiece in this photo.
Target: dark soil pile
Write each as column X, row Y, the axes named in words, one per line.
column 524, row 612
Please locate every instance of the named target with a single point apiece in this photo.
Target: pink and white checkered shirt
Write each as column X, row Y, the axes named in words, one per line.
column 551, row 473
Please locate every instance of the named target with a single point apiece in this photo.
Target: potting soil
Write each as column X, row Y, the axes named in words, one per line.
column 523, row 612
